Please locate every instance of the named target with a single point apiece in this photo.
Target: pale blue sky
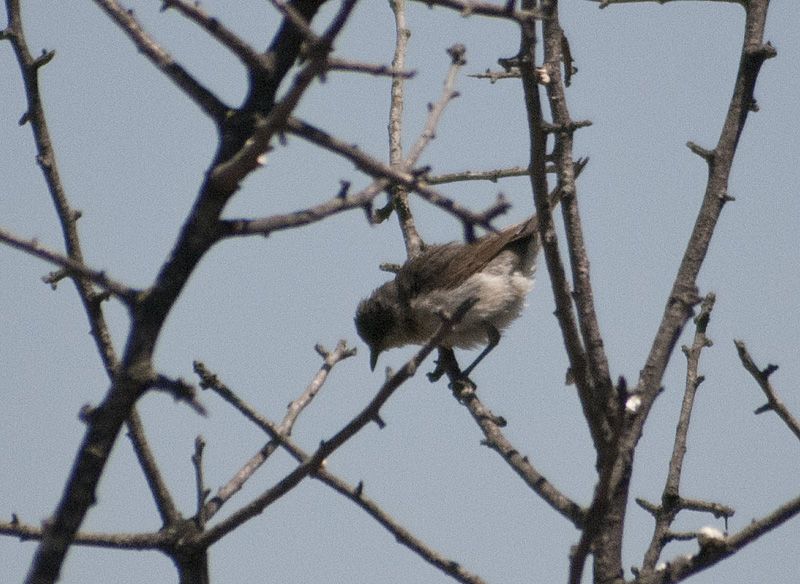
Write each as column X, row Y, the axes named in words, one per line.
column 132, row 151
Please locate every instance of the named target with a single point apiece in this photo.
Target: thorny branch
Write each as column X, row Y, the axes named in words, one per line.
column 671, row 500
column 616, row 441
column 762, row 376
column 683, row 296
column 83, row 279
column 376, row 168
column 491, row 9
column 279, row 436
column 491, row 425
column 203, row 97
column 33, row 247
column 281, row 431
column 399, row 194
column 311, row 464
column 717, row 548
column 133, row 376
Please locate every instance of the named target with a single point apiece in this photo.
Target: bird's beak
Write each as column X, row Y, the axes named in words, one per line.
column 373, row 357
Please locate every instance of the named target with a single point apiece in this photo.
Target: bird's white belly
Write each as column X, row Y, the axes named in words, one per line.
column 501, row 298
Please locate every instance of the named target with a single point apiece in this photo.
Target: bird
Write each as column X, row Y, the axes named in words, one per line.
column 495, row 271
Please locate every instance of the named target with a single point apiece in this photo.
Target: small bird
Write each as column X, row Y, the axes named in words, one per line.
column 495, row 271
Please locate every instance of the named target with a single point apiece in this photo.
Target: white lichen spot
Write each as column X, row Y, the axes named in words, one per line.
column 632, row 404
column 710, row 536
column 543, row 75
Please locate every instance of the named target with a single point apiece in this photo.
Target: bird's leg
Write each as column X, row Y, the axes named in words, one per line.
column 445, row 363
column 494, row 337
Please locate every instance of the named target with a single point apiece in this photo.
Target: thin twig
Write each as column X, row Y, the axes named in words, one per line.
column 338, row 204
column 227, row 175
column 402, row 535
column 470, row 7
column 181, row 391
column 248, row 55
column 212, row 106
column 412, row 238
column 45, row 156
column 310, row 466
column 761, row 376
column 671, row 502
column 683, row 566
column 125, row 541
column 164, row 502
column 376, row 168
column 490, row 425
column 201, row 492
column 605, row 3
column 31, row 246
column 494, row 76
column 349, row 65
column 399, row 193
column 297, row 405
column 467, row 175
column 277, row 432
column 457, row 62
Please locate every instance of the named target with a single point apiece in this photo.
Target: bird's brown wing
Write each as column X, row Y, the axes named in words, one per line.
column 450, row 265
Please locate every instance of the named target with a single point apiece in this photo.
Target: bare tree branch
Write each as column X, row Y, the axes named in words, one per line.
column 164, row 502
column 339, row 203
column 562, row 291
column 227, row 174
column 564, row 126
column 278, row 433
column 250, row 57
column 683, row 295
column 494, row 76
column 33, row 247
column 399, row 194
column 605, row 3
column 205, row 99
column 684, row 566
column 774, row 402
column 490, row 175
column 370, row 413
column 471, row 7
column 128, row 541
column 671, row 500
column 67, row 216
column 350, row 65
column 412, row 239
column 491, row 426
column 135, row 374
column 201, row 492
column 376, row 168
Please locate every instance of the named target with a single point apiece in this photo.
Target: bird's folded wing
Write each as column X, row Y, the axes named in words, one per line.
column 444, row 267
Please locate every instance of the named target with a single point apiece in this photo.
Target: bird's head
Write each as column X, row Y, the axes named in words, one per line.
column 378, row 321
